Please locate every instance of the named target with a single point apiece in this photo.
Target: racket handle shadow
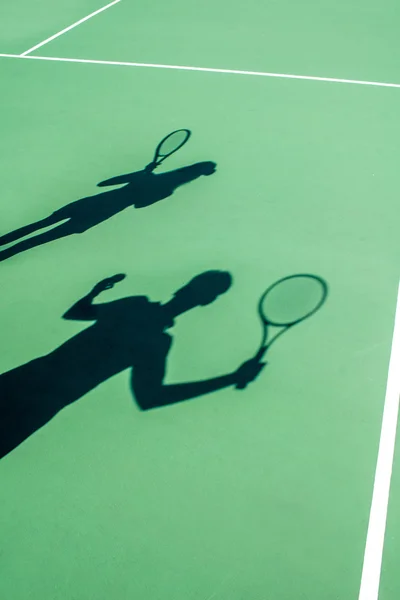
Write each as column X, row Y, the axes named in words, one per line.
column 152, row 166
column 253, row 368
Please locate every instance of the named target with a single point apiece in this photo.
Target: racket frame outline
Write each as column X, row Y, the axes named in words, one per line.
column 266, row 323
column 159, row 158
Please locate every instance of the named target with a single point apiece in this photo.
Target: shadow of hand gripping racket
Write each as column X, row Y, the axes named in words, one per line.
column 284, row 304
column 138, row 189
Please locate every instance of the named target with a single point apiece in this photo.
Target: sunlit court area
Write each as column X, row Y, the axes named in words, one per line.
column 199, row 308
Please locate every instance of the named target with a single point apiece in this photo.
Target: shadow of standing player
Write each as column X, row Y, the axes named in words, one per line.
column 129, row 333
column 140, row 189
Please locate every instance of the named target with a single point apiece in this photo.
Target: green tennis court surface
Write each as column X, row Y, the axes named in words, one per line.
column 255, row 494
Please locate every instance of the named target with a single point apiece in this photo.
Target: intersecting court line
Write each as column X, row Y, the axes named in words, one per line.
column 372, row 565
column 56, row 35
column 203, row 69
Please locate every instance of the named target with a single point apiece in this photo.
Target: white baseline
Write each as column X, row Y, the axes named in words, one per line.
column 203, row 69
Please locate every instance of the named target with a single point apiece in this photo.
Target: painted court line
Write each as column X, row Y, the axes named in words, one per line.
column 202, row 69
column 371, row 573
column 370, row 580
column 56, row 35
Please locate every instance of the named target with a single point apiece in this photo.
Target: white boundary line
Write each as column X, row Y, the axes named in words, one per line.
column 203, row 69
column 56, row 35
column 372, row 566
column 370, row 580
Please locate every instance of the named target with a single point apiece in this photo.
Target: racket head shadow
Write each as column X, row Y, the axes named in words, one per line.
column 292, row 299
column 170, row 144
column 286, row 303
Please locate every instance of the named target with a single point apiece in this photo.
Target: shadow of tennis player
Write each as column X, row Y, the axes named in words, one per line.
column 140, row 189
column 129, row 333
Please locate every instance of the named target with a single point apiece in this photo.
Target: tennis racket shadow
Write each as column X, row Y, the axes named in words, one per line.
column 138, row 189
column 284, row 305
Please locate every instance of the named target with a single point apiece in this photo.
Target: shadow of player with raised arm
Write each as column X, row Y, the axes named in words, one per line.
column 140, row 189
column 129, row 333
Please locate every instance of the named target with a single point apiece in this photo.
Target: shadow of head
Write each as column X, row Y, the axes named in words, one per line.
column 201, row 290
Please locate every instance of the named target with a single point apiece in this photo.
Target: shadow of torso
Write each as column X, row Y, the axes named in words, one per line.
column 140, row 189
column 130, row 332
column 145, row 189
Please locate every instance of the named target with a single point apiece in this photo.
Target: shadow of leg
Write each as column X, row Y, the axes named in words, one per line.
column 61, row 231
column 17, row 234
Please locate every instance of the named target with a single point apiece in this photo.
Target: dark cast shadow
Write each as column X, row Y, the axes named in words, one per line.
column 139, row 189
column 129, row 333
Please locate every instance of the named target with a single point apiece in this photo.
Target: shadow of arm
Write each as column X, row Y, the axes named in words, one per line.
column 121, row 179
column 150, row 391
column 155, row 396
column 83, row 310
